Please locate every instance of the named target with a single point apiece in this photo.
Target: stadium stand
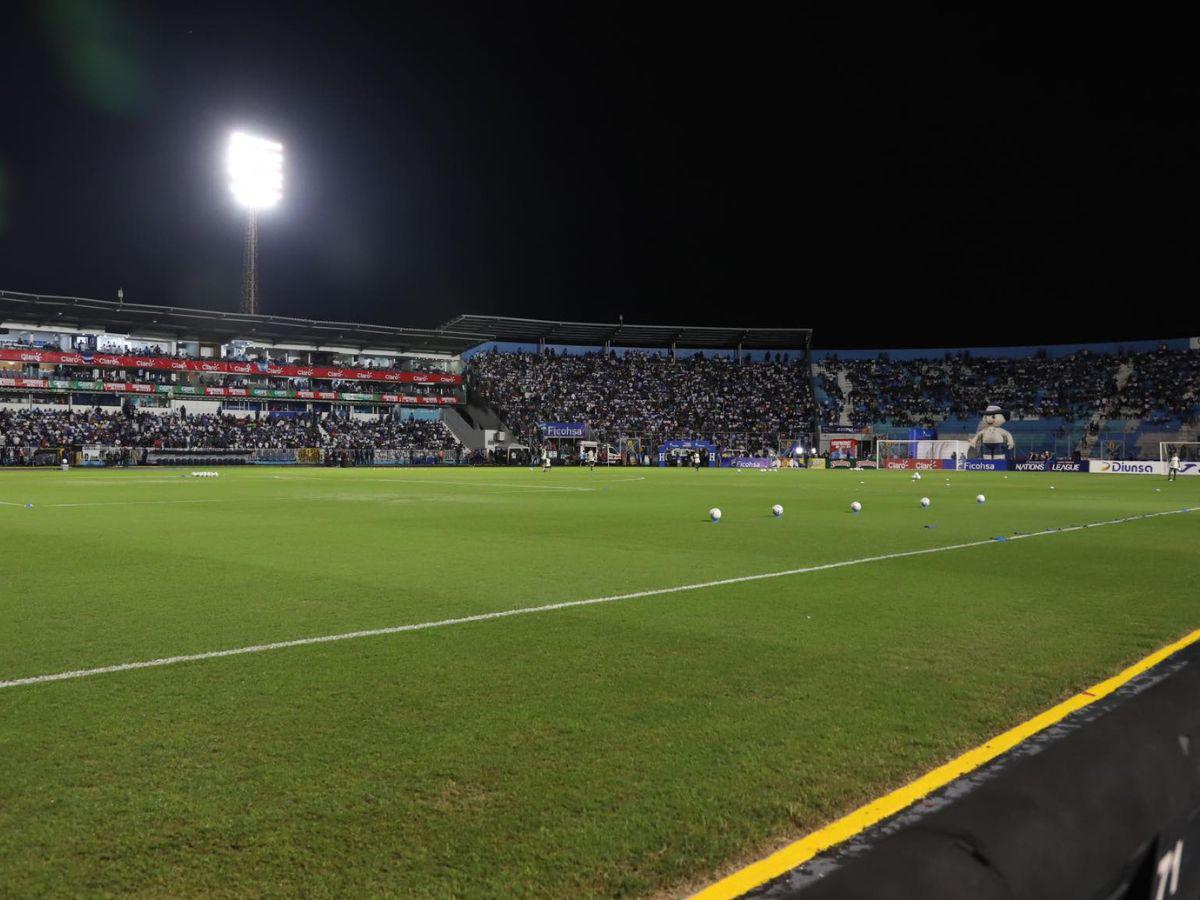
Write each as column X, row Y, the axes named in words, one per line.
column 649, row 394
column 265, row 382
column 24, row 431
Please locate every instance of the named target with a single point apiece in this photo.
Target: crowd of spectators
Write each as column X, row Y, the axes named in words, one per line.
column 647, row 394
column 129, row 428
column 389, row 434
column 923, row 392
column 1162, row 386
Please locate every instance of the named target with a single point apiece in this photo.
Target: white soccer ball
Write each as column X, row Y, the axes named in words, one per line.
column 714, row 514
column 856, row 506
column 777, row 510
column 925, row 502
column 979, row 498
column 916, row 476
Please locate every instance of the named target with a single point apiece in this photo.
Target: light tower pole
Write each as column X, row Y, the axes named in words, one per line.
column 255, row 167
column 250, row 265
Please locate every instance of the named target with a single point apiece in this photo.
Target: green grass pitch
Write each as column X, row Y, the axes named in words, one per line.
column 630, row 747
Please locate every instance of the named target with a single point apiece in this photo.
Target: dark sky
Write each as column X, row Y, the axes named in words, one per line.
column 948, row 181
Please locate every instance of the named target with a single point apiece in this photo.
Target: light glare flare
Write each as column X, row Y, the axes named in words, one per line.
column 255, row 168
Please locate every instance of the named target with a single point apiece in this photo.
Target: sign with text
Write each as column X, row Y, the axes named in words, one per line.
column 562, row 429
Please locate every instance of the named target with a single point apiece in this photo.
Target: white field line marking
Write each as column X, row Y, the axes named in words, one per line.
column 467, row 482
column 380, row 498
column 134, row 502
column 550, row 607
column 462, row 484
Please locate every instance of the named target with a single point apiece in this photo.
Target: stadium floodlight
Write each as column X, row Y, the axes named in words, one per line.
column 255, row 167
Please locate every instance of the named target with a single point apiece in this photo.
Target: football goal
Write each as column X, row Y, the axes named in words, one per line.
column 1187, row 451
column 919, row 454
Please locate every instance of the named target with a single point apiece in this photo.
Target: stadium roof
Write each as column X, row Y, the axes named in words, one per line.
column 176, row 323
column 623, row 334
column 456, row 336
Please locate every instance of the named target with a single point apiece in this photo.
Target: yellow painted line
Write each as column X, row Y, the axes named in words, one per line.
column 864, row 817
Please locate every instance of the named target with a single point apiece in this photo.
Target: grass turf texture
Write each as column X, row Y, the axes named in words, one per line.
column 624, row 748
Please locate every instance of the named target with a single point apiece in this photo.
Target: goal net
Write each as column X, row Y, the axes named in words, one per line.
column 919, row 454
column 1187, row 451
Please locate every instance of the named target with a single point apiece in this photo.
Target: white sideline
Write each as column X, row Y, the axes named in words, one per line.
column 549, row 607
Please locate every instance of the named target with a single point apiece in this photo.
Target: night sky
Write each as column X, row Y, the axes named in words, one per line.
column 940, row 182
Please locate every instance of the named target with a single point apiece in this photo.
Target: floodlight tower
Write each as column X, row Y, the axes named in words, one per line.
column 255, row 168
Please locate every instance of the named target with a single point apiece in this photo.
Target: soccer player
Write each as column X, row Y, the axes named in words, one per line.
column 695, row 461
column 545, row 460
column 1173, row 466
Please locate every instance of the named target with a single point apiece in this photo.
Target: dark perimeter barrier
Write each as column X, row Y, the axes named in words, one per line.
column 1105, row 804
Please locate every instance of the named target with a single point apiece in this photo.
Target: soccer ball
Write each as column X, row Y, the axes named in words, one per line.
column 856, row 506
column 777, row 510
column 715, row 515
column 925, row 502
column 979, row 498
column 916, row 476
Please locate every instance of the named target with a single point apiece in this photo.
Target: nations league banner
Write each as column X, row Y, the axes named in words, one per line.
column 562, row 429
column 1052, row 465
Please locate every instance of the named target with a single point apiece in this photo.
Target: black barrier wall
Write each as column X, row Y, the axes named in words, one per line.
column 1104, row 805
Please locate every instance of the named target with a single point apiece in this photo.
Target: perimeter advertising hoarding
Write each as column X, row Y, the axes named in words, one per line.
column 183, row 390
column 1139, row 467
column 752, row 462
column 921, row 464
column 1051, row 465
column 562, row 429
column 1126, row 467
column 177, row 364
column 982, row 465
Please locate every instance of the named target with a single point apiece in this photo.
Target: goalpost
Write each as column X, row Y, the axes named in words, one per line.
column 1189, row 451
column 919, row 454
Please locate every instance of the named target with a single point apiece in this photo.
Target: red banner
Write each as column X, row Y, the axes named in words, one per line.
column 848, row 446
column 166, row 364
column 167, row 390
column 912, row 464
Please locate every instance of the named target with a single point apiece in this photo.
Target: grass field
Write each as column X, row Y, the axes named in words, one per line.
column 636, row 746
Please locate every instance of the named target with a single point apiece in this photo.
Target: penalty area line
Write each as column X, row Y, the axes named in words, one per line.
column 547, row 607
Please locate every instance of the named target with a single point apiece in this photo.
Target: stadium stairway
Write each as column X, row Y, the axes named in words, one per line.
column 844, row 383
column 1106, row 409
column 471, row 422
column 823, row 397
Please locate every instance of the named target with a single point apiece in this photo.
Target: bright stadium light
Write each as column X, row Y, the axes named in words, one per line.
column 255, row 167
